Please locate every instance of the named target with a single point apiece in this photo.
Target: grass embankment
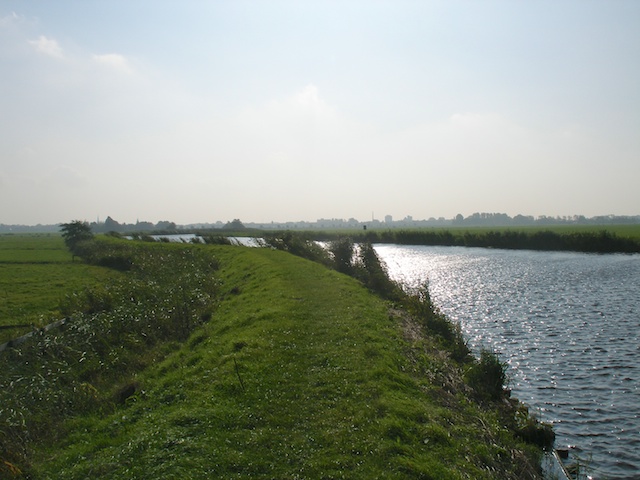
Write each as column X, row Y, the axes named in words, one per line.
column 298, row 372
column 36, row 273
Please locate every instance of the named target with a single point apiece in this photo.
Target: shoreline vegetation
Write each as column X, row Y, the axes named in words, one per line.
column 591, row 240
column 216, row 361
column 584, row 239
column 609, row 234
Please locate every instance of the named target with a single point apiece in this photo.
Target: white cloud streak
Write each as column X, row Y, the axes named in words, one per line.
column 47, row 46
column 114, row 61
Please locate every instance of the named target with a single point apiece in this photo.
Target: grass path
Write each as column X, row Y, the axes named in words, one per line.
column 300, row 373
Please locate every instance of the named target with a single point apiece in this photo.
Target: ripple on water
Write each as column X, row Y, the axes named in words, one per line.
column 566, row 323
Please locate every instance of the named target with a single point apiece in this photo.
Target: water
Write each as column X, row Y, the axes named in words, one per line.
column 189, row 237
column 566, row 323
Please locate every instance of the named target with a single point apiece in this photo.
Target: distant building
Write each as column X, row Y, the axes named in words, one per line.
column 388, row 219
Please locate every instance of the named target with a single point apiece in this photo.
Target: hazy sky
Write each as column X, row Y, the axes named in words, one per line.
column 197, row 111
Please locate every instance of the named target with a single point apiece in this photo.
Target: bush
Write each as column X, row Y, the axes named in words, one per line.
column 342, row 253
column 488, row 376
column 372, row 272
column 536, row 433
column 298, row 245
column 91, row 300
column 215, row 240
column 419, row 304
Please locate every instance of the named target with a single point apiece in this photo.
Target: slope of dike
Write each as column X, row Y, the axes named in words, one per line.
column 299, row 373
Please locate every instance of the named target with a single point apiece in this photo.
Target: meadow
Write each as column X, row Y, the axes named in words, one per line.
column 215, row 361
column 623, row 230
column 631, row 231
column 36, row 273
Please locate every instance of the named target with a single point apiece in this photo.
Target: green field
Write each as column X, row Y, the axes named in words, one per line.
column 627, row 231
column 36, row 272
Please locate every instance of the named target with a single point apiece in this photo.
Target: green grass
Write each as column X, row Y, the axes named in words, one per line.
column 299, row 373
column 34, row 248
column 36, row 273
column 628, row 231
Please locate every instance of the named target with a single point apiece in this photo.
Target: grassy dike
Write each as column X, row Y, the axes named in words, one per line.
column 298, row 372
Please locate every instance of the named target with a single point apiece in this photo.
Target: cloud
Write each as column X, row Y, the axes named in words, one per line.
column 114, row 61
column 62, row 90
column 308, row 98
column 300, row 120
column 47, row 46
column 301, row 137
column 9, row 19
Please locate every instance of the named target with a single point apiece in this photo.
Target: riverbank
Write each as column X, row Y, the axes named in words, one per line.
column 291, row 370
column 591, row 239
column 567, row 325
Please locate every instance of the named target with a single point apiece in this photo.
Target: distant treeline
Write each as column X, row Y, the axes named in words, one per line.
column 475, row 220
column 503, row 220
column 591, row 242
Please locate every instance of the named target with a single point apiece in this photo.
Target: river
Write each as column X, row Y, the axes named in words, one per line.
column 567, row 324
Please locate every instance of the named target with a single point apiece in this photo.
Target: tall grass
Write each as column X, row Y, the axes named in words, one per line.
column 592, row 240
column 113, row 331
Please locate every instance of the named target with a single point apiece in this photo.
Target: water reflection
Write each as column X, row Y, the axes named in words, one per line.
column 566, row 323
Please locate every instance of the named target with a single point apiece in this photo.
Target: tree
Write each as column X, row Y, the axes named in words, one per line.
column 110, row 225
column 236, row 225
column 342, row 250
column 165, row 225
column 74, row 233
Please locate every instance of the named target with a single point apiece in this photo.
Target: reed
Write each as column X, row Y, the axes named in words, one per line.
column 589, row 240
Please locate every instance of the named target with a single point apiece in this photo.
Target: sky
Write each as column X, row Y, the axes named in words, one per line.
column 204, row 111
